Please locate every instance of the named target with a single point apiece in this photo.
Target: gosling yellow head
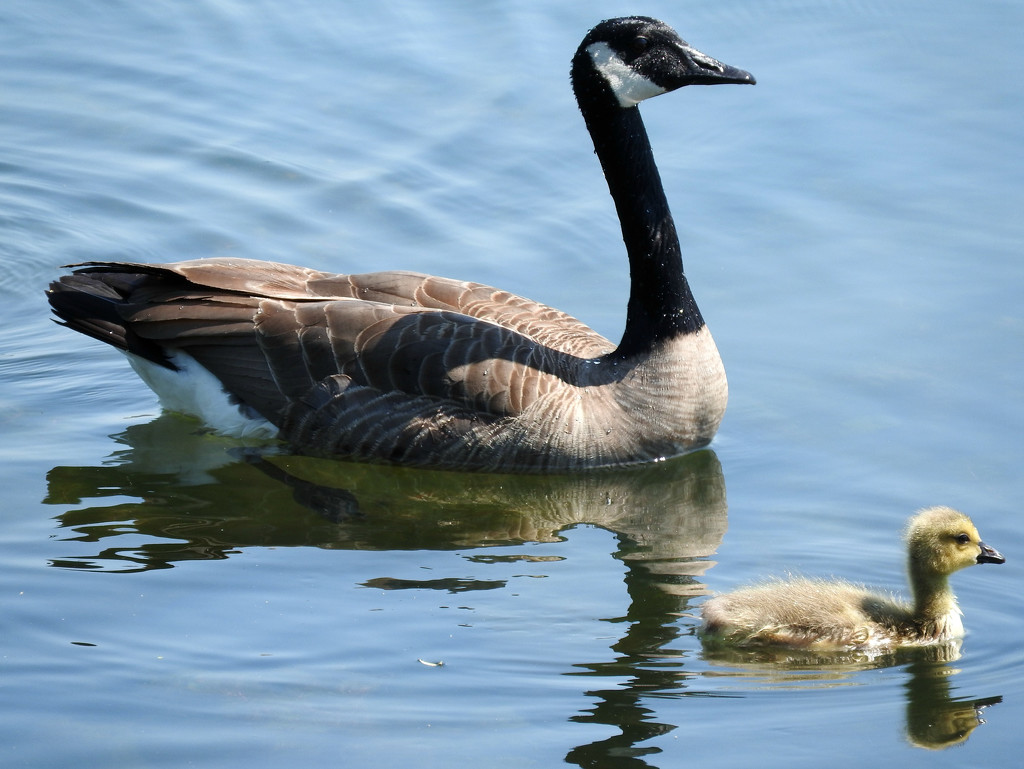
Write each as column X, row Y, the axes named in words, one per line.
column 941, row 540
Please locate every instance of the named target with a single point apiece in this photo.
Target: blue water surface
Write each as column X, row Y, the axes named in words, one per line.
column 851, row 228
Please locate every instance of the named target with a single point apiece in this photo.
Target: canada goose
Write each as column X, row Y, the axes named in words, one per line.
column 831, row 614
column 420, row 370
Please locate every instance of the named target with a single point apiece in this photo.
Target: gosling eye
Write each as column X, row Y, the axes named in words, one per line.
column 962, row 539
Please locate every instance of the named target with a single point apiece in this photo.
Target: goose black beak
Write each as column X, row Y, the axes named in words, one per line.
column 988, row 555
column 701, row 69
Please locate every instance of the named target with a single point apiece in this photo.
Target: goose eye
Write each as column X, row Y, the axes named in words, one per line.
column 638, row 45
column 962, row 539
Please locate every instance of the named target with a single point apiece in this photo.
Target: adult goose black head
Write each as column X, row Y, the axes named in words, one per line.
column 420, row 370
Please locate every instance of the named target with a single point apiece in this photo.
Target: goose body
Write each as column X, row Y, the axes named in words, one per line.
column 414, row 369
column 832, row 614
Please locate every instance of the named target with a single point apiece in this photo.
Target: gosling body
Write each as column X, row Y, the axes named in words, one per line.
column 834, row 614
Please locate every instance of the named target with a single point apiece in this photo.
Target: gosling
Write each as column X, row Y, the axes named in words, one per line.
column 835, row 615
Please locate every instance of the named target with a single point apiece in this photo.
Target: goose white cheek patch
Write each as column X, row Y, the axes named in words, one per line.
column 628, row 85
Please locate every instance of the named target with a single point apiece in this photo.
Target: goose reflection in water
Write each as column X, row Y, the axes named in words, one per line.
column 190, row 500
column 199, row 498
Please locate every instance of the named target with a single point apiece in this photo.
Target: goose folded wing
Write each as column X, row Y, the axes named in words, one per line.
column 441, row 355
column 272, row 333
column 541, row 323
column 272, row 280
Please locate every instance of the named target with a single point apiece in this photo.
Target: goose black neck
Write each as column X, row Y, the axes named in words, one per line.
column 661, row 304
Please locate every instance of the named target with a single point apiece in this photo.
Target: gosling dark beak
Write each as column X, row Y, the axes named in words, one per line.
column 988, row 555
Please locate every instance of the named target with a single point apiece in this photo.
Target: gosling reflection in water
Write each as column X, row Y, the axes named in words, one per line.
column 935, row 719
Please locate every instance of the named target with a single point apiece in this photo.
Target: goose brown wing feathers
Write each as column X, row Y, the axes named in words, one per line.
column 249, row 277
column 541, row 323
column 436, row 353
column 272, row 333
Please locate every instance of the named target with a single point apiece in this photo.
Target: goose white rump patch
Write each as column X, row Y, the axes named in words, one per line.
column 193, row 390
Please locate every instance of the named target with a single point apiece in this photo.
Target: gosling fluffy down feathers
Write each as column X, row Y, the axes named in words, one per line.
column 832, row 614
